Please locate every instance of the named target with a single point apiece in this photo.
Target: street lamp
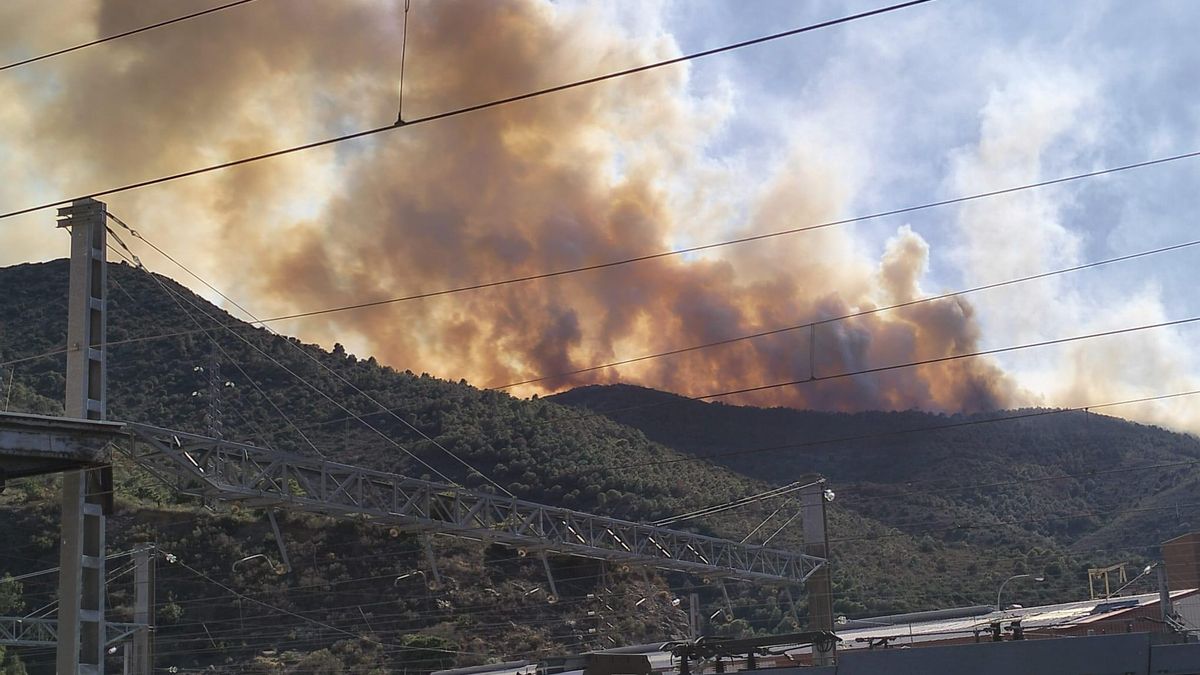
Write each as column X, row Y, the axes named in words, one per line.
column 843, row 620
column 1145, row 571
column 431, row 584
column 408, row 575
column 278, row 569
column 1015, row 576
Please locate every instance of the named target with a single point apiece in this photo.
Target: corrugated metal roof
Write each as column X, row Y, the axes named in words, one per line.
column 1031, row 618
column 923, row 627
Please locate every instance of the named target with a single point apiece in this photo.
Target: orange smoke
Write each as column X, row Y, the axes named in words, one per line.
column 601, row 173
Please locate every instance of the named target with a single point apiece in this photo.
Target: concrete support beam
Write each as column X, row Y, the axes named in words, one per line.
column 141, row 652
column 87, row 494
column 33, row 445
column 820, row 586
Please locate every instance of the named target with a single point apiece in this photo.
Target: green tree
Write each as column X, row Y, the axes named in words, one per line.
column 10, row 595
column 321, row 662
column 10, row 602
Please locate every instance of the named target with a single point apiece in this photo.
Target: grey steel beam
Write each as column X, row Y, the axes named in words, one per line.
column 215, row 468
column 16, row 631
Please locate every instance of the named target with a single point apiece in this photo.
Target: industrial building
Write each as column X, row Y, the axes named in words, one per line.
column 1121, row 636
column 1110, row 634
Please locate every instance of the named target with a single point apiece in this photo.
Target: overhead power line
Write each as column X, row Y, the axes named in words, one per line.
column 732, row 242
column 1042, row 275
column 52, row 570
column 291, row 372
column 179, row 300
column 680, row 350
column 850, row 374
column 733, row 504
column 899, row 366
column 854, row 315
column 473, row 108
column 127, row 33
column 322, row 624
column 866, row 371
column 319, row 364
column 307, row 591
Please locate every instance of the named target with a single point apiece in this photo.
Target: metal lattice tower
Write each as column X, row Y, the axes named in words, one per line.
column 214, row 418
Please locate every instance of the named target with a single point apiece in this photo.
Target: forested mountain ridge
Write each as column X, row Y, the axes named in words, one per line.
column 352, row 586
column 1095, row 484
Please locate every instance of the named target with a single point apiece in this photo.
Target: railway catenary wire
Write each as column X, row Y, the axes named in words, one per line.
column 178, row 300
column 117, row 36
column 895, row 366
column 1140, row 509
column 326, row 368
column 808, row 324
column 466, row 110
column 977, row 556
column 882, row 369
column 383, row 620
column 567, row 603
column 812, row 324
column 740, row 606
column 325, row 395
column 902, row 432
column 1089, row 474
column 674, row 588
column 850, row 488
column 189, row 522
column 892, row 494
column 1168, row 507
column 1131, row 256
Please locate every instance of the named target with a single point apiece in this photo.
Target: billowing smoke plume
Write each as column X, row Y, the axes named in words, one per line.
column 587, row 176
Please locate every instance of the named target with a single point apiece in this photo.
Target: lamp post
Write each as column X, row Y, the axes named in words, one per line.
column 1015, row 576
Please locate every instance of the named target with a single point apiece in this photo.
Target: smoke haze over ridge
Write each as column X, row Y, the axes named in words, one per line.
column 606, row 172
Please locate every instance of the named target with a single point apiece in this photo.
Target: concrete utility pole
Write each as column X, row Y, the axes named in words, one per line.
column 820, row 587
column 1166, row 610
column 142, row 661
column 693, row 616
column 87, row 494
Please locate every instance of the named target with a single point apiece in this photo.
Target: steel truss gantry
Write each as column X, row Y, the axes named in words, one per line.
column 230, row 471
column 18, row 631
